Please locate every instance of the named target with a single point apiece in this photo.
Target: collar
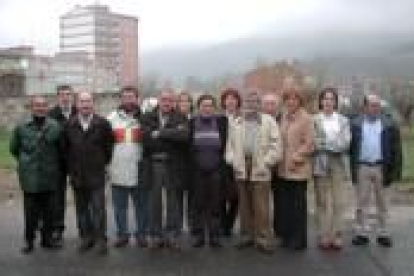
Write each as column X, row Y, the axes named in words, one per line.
column 83, row 119
column 30, row 122
column 256, row 117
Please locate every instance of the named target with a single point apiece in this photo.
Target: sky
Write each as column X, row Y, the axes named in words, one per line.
column 173, row 23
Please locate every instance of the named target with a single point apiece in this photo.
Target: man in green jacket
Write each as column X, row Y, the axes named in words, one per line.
column 36, row 144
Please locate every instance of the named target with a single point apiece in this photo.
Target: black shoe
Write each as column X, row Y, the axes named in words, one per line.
column 360, row 240
column 102, row 248
column 215, row 243
column 58, row 237
column 28, row 248
column 155, row 243
column 141, row 242
column 199, row 242
column 50, row 245
column 298, row 246
column 172, row 243
column 86, row 245
column 121, row 242
column 284, row 243
column 227, row 233
column 384, row 241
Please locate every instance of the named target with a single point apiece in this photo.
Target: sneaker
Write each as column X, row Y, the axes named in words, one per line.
column 384, row 241
column 360, row 240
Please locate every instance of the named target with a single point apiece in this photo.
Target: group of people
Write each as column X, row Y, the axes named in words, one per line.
column 202, row 164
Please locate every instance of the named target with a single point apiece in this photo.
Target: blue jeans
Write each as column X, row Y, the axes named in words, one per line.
column 120, row 199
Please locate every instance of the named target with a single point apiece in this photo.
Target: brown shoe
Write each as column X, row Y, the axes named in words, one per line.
column 244, row 243
column 266, row 249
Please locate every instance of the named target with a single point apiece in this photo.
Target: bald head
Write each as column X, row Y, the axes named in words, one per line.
column 84, row 103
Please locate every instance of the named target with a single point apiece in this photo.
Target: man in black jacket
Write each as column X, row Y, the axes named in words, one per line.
column 165, row 131
column 61, row 112
column 89, row 146
column 376, row 161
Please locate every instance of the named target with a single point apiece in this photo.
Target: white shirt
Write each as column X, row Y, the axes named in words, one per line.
column 371, row 141
column 85, row 122
column 331, row 126
column 66, row 111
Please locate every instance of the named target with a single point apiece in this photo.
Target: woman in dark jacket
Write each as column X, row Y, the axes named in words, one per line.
column 208, row 136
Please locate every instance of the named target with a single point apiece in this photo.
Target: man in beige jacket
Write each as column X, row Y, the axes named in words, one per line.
column 254, row 147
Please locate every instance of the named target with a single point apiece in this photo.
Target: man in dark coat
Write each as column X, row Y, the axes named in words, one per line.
column 37, row 145
column 61, row 112
column 165, row 130
column 89, row 146
column 376, row 161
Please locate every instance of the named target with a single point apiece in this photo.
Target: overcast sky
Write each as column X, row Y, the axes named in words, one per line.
column 166, row 23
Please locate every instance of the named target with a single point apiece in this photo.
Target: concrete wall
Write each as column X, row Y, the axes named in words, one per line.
column 13, row 109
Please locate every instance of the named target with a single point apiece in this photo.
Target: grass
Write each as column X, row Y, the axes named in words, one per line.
column 408, row 156
column 6, row 159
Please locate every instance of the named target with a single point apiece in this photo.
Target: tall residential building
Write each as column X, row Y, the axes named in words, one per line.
column 109, row 40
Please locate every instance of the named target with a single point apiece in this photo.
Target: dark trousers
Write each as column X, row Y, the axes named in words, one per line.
column 120, row 201
column 207, row 203
column 59, row 205
column 37, row 212
column 277, row 207
column 162, row 177
column 293, row 221
column 91, row 213
column 229, row 201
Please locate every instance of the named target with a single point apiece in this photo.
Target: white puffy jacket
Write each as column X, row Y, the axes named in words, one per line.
column 123, row 169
